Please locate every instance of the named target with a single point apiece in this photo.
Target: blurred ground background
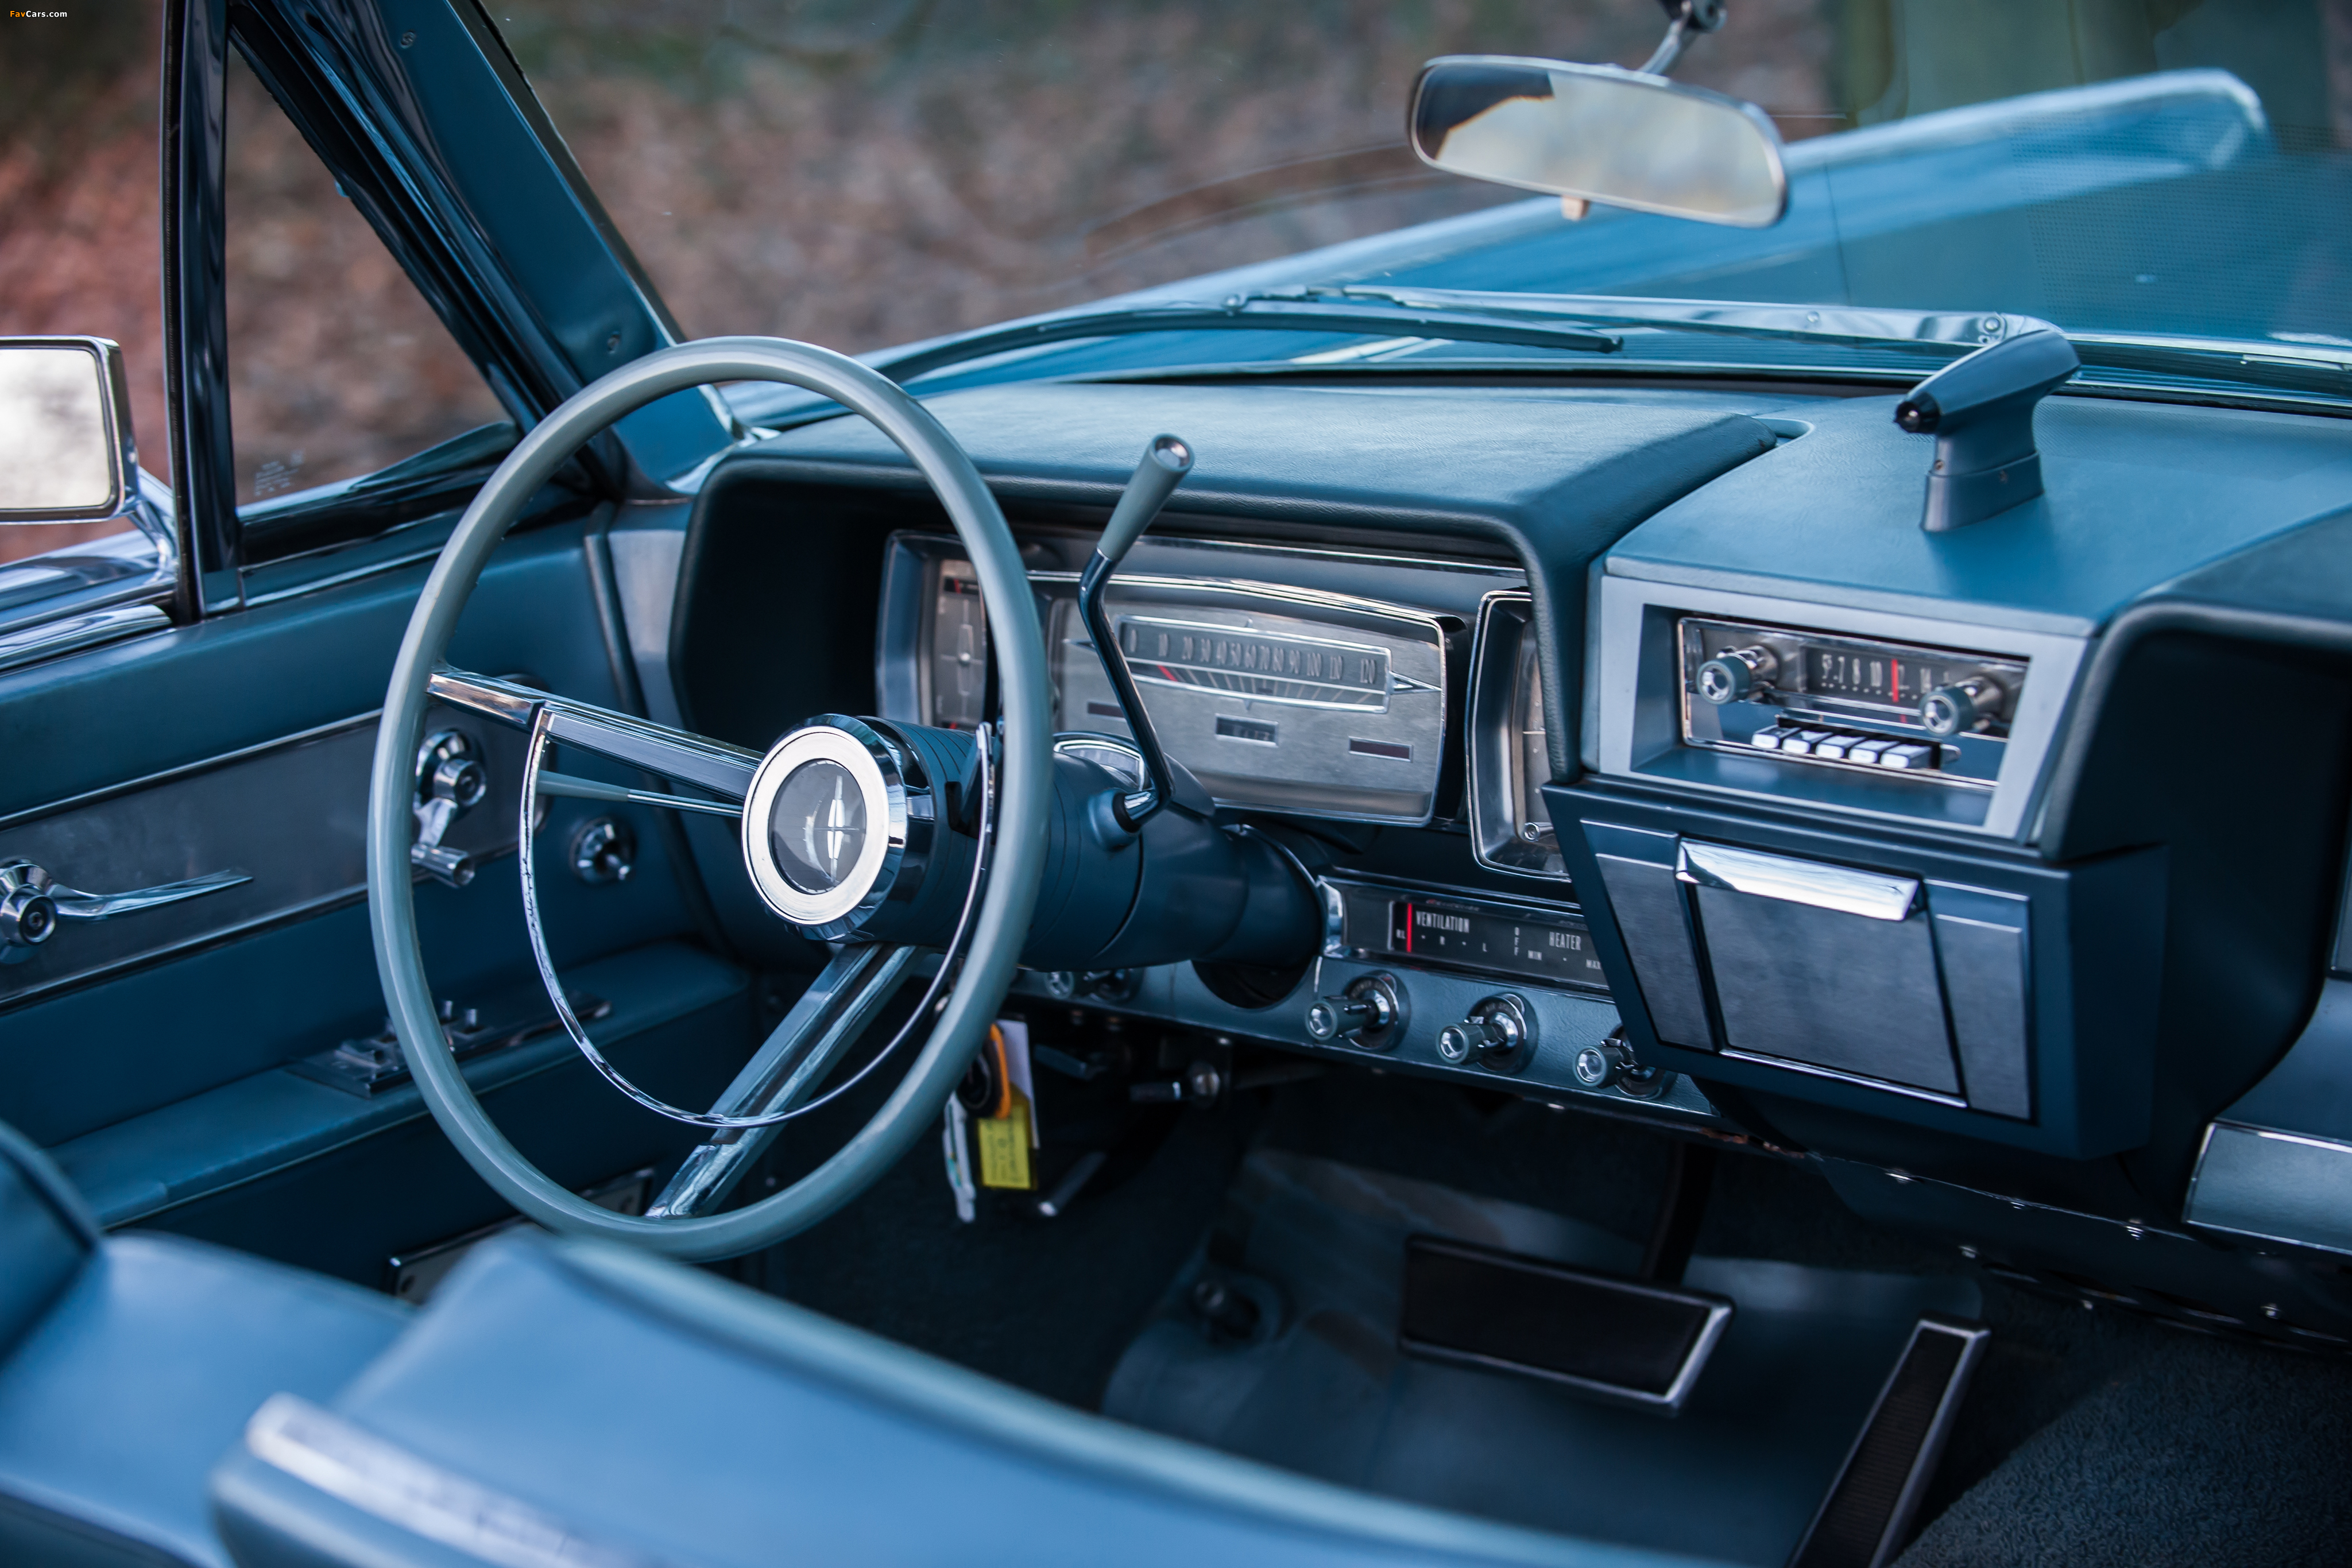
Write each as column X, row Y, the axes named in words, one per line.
column 857, row 172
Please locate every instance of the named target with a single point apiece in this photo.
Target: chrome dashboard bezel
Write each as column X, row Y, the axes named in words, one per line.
column 1398, row 624
column 1335, row 611
column 1633, row 699
column 1487, row 725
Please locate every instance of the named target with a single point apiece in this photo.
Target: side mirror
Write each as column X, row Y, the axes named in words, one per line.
column 66, row 450
column 1597, row 133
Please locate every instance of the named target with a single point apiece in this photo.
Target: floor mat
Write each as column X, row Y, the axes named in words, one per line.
column 2202, row 1452
column 1322, row 1389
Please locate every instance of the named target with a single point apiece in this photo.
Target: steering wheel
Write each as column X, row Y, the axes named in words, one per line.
column 997, row 893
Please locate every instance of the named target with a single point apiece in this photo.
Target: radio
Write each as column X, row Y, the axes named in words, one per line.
column 1899, row 709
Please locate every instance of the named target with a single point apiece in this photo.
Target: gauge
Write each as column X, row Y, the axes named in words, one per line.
column 958, row 667
column 1510, row 744
column 1276, row 699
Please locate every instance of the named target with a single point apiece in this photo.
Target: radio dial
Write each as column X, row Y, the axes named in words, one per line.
column 1736, row 674
column 1961, row 708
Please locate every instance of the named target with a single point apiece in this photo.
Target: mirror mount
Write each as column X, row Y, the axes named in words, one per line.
column 1685, row 18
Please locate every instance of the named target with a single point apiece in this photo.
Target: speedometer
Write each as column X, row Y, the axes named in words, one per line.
column 1278, row 699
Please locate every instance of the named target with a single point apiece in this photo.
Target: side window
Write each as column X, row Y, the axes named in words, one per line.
column 337, row 366
column 78, row 255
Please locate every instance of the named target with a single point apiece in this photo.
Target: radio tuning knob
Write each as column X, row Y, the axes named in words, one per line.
column 1961, row 708
column 1737, row 673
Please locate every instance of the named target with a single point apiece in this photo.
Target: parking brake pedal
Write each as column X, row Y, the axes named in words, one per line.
column 1630, row 1341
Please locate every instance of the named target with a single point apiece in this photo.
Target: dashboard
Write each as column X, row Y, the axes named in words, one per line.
column 1646, row 755
column 1322, row 692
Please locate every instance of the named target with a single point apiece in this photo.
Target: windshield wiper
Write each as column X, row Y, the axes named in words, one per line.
column 1964, row 331
column 2324, row 369
column 1575, row 322
column 1348, row 314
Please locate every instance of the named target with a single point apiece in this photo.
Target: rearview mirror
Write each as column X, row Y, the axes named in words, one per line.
column 65, row 451
column 1596, row 134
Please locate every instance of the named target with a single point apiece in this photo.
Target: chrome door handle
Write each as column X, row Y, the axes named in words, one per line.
column 32, row 902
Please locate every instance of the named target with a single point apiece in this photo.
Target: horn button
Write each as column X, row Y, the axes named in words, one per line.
column 826, row 824
column 816, row 829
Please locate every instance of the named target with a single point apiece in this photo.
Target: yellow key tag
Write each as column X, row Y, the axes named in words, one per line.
column 1004, row 1148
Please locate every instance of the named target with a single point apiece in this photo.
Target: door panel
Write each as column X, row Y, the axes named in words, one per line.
column 160, row 1080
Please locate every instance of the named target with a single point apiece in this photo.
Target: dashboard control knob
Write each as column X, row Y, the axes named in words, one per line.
column 1370, row 1012
column 1610, row 1065
column 603, row 852
column 1601, row 1066
column 1961, row 707
column 1499, row 1033
column 1737, row 675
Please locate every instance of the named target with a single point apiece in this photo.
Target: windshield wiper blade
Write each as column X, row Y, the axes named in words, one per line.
column 2322, row 368
column 1292, row 311
column 1964, row 331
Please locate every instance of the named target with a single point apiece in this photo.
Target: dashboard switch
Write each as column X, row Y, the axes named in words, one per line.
column 1499, row 1033
column 1370, row 1012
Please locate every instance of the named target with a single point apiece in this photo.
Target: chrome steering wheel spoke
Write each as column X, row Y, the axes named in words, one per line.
column 725, row 771
column 801, row 1051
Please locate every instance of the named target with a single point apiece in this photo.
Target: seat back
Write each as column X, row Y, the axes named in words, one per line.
column 45, row 1236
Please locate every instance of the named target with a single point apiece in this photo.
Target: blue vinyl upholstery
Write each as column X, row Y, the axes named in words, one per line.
column 635, row 1411
column 127, row 1367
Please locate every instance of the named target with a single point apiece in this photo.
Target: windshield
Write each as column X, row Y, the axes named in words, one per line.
column 868, row 175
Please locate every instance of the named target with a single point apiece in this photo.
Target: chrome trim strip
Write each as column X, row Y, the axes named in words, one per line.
column 1873, row 895
column 74, row 633
column 1910, row 1090
column 388, row 1482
